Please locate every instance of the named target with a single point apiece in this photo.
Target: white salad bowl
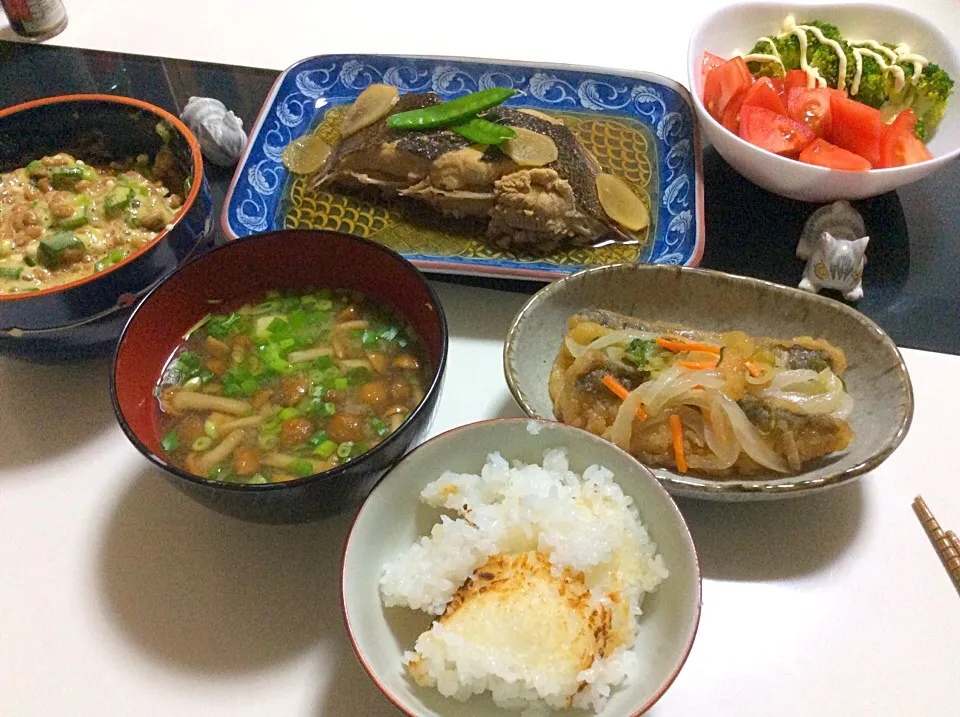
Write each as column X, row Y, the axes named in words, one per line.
column 393, row 518
column 735, row 29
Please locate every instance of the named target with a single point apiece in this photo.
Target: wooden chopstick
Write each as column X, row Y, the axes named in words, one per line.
column 954, row 539
column 946, row 544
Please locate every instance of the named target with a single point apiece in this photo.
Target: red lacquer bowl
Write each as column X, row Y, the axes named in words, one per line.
column 239, row 272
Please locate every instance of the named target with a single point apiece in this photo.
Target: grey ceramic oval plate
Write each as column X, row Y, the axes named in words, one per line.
column 876, row 378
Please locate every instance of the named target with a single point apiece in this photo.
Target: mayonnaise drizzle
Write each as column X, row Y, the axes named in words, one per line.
column 899, row 78
column 759, row 57
column 860, row 48
column 919, row 61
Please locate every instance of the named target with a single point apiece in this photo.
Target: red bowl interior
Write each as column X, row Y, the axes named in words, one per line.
column 244, row 270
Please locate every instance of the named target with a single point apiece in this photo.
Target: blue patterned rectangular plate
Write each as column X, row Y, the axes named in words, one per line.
column 639, row 126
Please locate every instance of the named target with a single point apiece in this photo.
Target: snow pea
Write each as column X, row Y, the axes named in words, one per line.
column 452, row 112
column 483, row 131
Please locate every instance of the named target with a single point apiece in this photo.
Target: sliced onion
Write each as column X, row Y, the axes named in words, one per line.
column 622, row 429
column 720, row 436
column 766, row 377
column 693, row 424
column 793, row 377
column 623, row 336
column 812, row 393
column 749, row 437
column 712, row 423
column 674, row 381
column 845, row 409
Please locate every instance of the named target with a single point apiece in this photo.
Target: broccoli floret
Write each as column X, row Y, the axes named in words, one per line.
column 765, row 69
column 930, row 99
column 819, row 55
column 874, row 83
column 824, row 57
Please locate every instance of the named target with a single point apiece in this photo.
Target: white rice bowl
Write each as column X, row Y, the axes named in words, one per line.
column 434, row 520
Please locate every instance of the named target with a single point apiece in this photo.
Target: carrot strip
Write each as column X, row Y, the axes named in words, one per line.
column 616, row 388
column 697, row 365
column 676, row 429
column 621, row 392
column 677, row 345
column 755, row 369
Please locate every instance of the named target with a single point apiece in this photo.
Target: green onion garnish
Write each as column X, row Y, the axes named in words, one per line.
column 170, row 441
column 302, row 467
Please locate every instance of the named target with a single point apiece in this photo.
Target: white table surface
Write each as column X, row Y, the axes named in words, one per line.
column 120, row 597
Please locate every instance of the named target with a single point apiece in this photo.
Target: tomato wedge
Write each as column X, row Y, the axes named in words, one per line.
column 764, row 94
column 772, row 132
column 708, row 63
column 824, row 154
column 812, row 107
column 899, row 146
column 723, row 84
column 731, row 114
column 855, row 127
column 794, row 78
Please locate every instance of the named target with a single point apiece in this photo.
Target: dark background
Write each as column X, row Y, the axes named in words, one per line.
column 911, row 281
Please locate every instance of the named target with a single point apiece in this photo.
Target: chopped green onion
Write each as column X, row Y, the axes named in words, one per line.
column 317, row 438
column 379, row 427
column 288, row 413
column 7, row 272
column 302, row 467
column 329, row 408
column 110, row 259
column 165, row 131
column 358, row 376
column 330, row 373
column 210, row 428
column 297, row 318
column 218, row 473
column 170, row 441
column 345, row 449
column 202, row 443
column 256, row 479
column 324, row 305
column 321, row 363
column 359, row 449
column 340, row 383
column 270, row 355
column 65, row 177
column 369, row 339
column 271, row 426
column 326, row 449
column 221, row 324
column 267, row 441
column 279, row 327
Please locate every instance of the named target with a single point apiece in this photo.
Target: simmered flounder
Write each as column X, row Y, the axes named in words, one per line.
column 531, row 208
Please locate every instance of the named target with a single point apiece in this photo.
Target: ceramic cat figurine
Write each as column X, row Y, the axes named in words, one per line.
column 833, row 245
column 219, row 132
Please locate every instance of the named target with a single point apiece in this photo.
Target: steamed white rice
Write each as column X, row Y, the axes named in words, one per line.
column 584, row 523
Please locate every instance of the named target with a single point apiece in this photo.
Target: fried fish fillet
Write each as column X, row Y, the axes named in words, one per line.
column 517, row 621
column 580, row 397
